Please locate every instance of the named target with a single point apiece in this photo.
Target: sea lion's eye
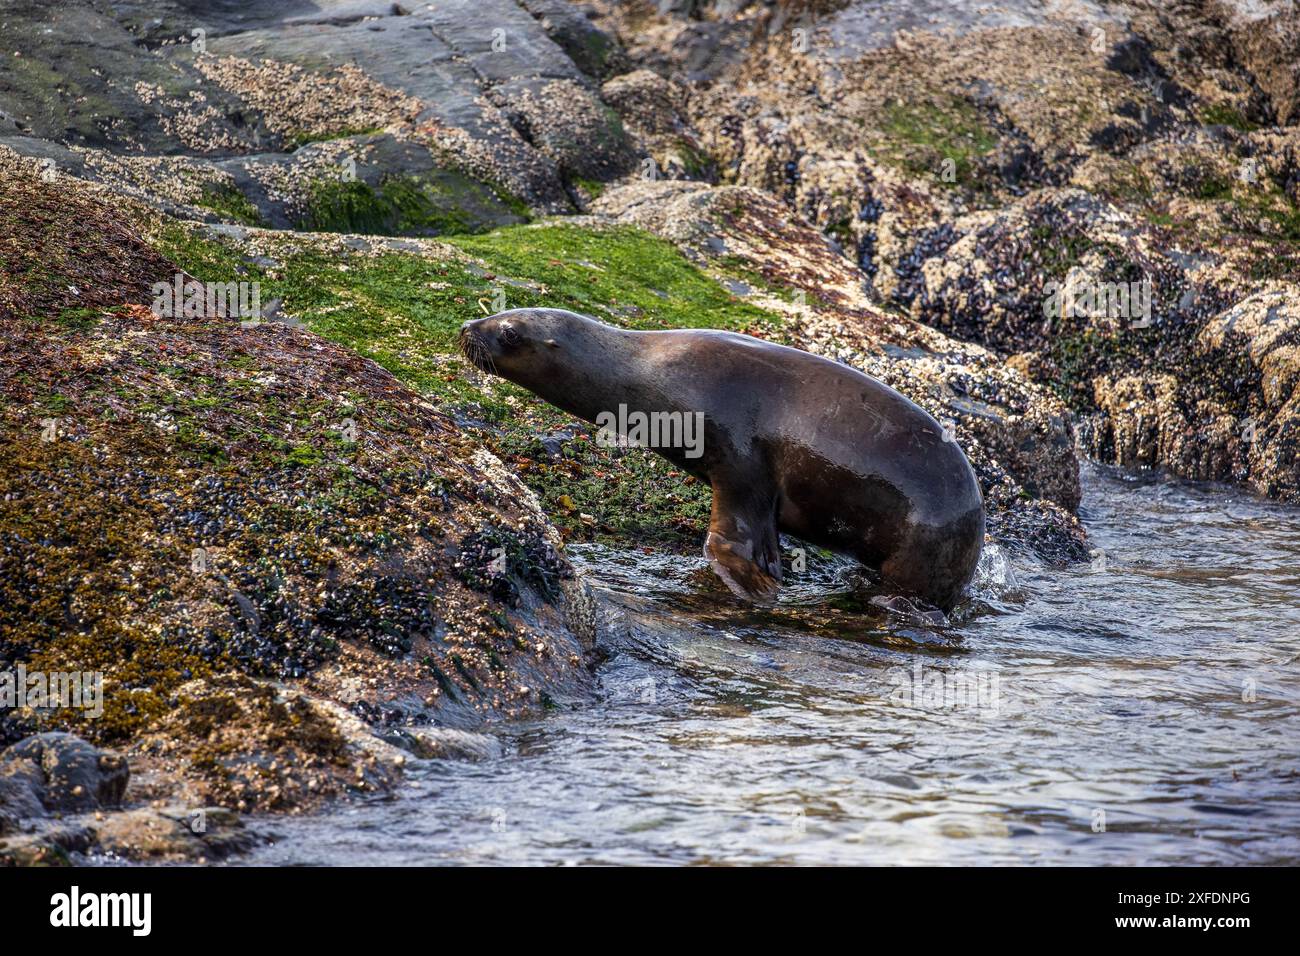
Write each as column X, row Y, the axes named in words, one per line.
column 509, row 337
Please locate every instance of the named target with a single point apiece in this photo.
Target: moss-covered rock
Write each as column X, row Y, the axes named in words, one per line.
column 401, row 302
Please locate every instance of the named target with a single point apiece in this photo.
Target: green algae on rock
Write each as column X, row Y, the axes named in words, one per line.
column 401, row 303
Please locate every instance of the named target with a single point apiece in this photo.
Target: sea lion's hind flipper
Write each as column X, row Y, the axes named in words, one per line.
column 743, row 546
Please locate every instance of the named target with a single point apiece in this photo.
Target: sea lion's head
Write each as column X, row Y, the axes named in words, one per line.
column 514, row 343
column 572, row 361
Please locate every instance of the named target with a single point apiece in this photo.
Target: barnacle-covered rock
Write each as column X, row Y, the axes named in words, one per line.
column 1236, row 422
column 199, row 506
column 653, row 110
column 974, row 163
column 462, row 115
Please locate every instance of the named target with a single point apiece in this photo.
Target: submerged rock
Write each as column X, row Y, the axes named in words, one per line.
column 445, row 743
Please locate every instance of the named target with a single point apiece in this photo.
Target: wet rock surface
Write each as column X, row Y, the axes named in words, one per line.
column 1243, row 431
column 593, row 51
column 61, row 801
column 71, row 774
column 969, row 158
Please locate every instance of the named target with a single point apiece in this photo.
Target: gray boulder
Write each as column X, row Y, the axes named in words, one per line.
column 60, row 773
column 472, row 108
column 592, row 50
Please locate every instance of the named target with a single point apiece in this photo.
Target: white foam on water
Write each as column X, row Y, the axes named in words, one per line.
column 994, row 575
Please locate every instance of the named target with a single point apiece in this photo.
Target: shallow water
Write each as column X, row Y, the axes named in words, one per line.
column 1145, row 709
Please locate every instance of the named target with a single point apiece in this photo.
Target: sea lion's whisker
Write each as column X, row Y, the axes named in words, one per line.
column 474, row 349
column 485, row 355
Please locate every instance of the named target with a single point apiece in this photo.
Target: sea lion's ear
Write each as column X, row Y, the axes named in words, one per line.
column 743, row 546
column 552, row 343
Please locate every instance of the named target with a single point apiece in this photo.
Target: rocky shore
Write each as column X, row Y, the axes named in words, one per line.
column 306, row 549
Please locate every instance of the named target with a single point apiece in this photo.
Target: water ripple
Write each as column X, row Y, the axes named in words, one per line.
column 1145, row 709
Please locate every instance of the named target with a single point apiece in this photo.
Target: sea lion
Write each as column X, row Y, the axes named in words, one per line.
column 792, row 442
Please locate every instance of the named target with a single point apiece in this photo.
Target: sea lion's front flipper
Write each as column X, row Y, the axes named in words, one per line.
column 743, row 545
